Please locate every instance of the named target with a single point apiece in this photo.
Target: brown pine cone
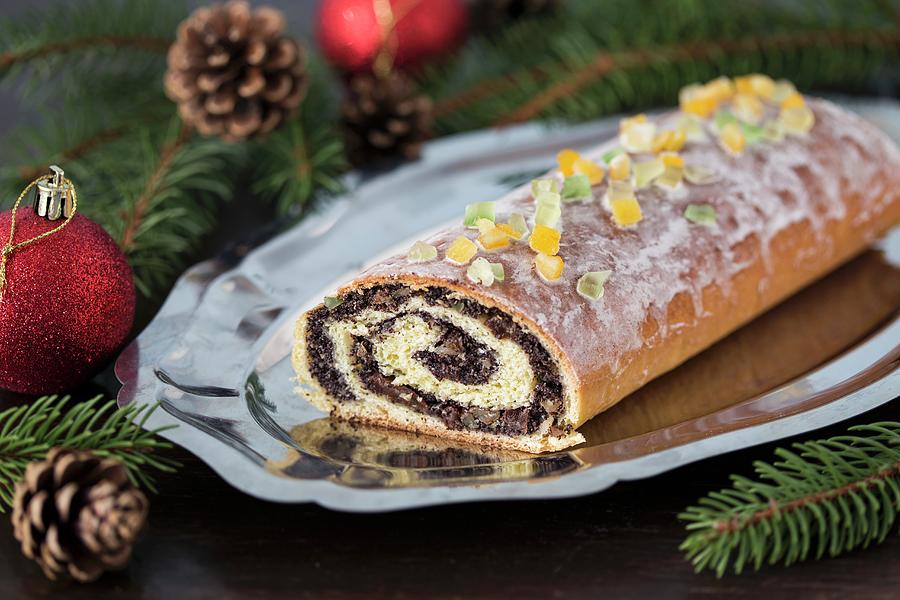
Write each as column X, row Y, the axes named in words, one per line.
column 77, row 515
column 384, row 117
column 232, row 71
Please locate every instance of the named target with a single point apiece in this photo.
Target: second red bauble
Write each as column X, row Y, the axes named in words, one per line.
column 67, row 307
column 351, row 37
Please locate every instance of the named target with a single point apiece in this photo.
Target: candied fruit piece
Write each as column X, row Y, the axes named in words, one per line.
column 671, row 141
column 732, row 137
column 518, row 224
column 577, row 187
column 638, row 137
column 645, row 172
column 721, row 89
column 661, row 141
column 566, row 160
column 609, row 155
column 692, row 128
column 671, row 177
column 480, row 272
column 478, row 210
column 421, row 252
column 702, row 214
column 590, row 285
column 544, row 239
column 748, row 108
column 762, row 85
column 549, row 267
column 797, row 120
column 752, row 133
column 544, row 185
column 332, row 301
column 773, row 131
column 620, row 168
column 700, row 175
column 783, row 89
column 744, row 84
column 547, row 215
column 627, row 122
column 672, row 159
column 619, row 190
column 547, row 199
column 793, row 100
column 461, row 250
column 697, row 100
column 589, row 168
column 493, row 239
column 509, row 231
column 723, row 118
column 626, row 212
column 499, row 273
column 484, row 225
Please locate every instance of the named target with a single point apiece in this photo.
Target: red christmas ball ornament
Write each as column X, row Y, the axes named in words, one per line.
column 66, row 296
column 354, row 34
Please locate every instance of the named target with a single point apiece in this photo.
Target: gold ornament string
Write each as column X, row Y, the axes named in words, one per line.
column 387, row 20
column 10, row 247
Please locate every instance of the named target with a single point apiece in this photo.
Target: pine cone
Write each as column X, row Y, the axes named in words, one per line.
column 491, row 14
column 384, row 117
column 233, row 73
column 77, row 514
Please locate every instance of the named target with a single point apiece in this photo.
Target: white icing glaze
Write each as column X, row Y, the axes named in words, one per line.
column 760, row 193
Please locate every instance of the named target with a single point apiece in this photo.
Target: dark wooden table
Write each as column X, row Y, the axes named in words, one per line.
column 208, row 540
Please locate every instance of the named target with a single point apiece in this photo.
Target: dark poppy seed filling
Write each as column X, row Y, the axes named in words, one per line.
column 456, row 356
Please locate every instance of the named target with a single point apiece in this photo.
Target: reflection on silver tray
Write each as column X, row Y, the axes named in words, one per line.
column 216, row 356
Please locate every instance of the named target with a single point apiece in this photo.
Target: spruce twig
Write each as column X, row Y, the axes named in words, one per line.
column 27, row 432
column 825, row 496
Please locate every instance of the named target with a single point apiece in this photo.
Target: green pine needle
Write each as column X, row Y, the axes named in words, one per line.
column 822, row 497
column 27, row 432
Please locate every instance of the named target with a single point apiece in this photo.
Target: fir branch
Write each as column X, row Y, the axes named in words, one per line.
column 27, row 432
column 826, row 496
column 143, row 42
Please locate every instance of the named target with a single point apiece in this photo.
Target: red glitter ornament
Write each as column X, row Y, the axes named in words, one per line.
column 354, row 33
column 67, row 304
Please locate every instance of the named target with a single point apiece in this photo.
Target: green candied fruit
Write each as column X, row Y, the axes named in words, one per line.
column 609, row 155
column 544, row 185
column 478, row 210
column 645, row 172
column 517, row 222
column 499, row 273
column 480, row 271
column 547, row 199
column 548, row 216
column 421, row 252
column 702, row 214
column 332, row 301
column 724, row 117
column 590, row 285
column 754, row 134
column 576, row 187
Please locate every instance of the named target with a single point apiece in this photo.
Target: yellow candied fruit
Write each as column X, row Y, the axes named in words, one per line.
column 462, row 250
column 721, row 89
column 672, row 141
column 762, row 85
column 744, row 84
column 550, row 267
column 484, row 225
column 626, row 212
column 748, row 108
column 493, row 239
column 661, row 141
column 627, row 122
column 545, row 240
column 732, row 137
column 797, row 120
column 793, row 100
column 672, row 159
column 697, row 100
column 620, row 168
column 566, row 160
column 593, row 171
column 509, row 231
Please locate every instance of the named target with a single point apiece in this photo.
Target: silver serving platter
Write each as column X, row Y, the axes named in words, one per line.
column 216, row 357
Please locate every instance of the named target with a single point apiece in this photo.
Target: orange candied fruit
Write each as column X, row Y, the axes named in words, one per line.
column 672, row 159
column 462, row 250
column 550, row 267
column 544, row 240
column 672, row 140
column 626, row 212
column 793, row 100
column 493, row 239
column 594, row 172
column 509, row 231
column 697, row 100
column 566, row 159
column 721, row 88
column 620, row 168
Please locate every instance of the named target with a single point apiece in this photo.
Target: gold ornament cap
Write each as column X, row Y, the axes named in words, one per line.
column 53, row 198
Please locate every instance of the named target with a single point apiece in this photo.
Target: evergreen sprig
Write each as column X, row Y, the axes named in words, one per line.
column 27, row 432
column 822, row 497
column 597, row 58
